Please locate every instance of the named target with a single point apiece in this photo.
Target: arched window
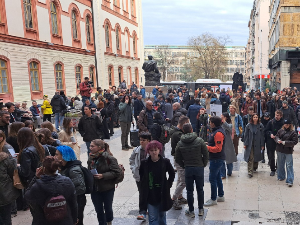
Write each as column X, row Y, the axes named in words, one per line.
column 110, row 76
column 28, row 13
column 34, row 76
column 3, row 77
column 92, row 76
column 107, row 36
column 118, row 39
column 134, row 44
column 54, row 18
column 88, row 29
column 78, row 77
column 74, row 25
column 59, row 77
column 120, row 74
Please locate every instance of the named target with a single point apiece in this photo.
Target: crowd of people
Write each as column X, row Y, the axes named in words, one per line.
column 40, row 161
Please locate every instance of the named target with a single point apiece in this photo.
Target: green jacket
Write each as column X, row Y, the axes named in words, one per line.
column 125, row 112
column 191, row 151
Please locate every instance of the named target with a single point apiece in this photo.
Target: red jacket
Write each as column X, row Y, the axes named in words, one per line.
column 245, row 107
column 85, row 90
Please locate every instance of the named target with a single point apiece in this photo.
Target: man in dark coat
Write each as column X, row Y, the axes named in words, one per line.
column 178, row 112
column 138, row 106
column 59, row 108
column 193, row 112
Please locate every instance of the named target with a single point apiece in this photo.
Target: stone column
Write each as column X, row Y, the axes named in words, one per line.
column 285, row 74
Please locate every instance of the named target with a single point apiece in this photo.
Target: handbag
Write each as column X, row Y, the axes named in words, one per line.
column 17, row 182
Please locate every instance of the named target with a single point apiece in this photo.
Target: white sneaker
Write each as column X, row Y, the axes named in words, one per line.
column 210, row 203
column 220, row 199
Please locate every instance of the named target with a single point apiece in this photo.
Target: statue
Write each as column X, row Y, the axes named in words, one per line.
column 152, row 75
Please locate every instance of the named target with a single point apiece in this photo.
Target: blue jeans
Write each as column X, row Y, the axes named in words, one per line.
column 285, row 160
column 229, row 168
column 215, row 180
column 156, row 215
column 85, row 98
column 59, row 118
column 105, row 199
column 88, row 147
column 194, row 174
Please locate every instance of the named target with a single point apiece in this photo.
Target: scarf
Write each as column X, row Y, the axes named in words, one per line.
column 95, row 156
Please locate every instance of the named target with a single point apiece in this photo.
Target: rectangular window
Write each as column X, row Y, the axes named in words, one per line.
column 34, row 76
column 28, row 13
column 59, row 77
column 109, row 76
column 78, row 77
column 92, row 77
column 3, row 77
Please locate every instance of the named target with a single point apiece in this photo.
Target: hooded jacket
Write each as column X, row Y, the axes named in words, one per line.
column 135, row 163
column 177, row 114
column 191, row 151
column 43, row 189
column 58, row 104
column 8, row 193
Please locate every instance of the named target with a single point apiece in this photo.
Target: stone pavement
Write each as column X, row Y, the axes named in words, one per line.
column 259, row 200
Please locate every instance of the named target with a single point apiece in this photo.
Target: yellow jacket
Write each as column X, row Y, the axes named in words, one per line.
column 46, row 107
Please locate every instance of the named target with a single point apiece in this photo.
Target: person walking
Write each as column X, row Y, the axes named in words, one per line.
column 286, row 139
column 71, row 167
column 156, row 187
column 237, row 125
column 139, row 154
column 58, row 107
column 229, row 148
column 90, row 127
column 216, row 151
column 192, row 155
column 254, row 143
column 289, row 113
column 46, row 109
column 106, row 169
column 125, row 121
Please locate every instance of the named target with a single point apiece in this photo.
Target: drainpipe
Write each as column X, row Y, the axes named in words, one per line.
column 95, row 42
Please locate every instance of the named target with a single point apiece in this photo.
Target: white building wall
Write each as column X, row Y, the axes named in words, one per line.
column 66, row 31
column 44, row 25
column 14, row 19
column 83, row 35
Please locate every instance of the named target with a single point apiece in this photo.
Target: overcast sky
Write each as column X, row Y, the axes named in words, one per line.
column 174, row 21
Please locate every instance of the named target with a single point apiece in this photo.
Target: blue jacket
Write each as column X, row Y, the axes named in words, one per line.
column 193, row 112
column 34, row 111
column 154, row 91
column 143, row 92
column 238, row 122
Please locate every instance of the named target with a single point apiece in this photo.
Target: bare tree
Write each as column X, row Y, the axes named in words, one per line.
column 209, row 58
column 164, row 58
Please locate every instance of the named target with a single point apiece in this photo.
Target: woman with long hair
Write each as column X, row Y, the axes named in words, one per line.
column 67, row 136
column 286, row 139
column 47, row 109
column 106, row 170
column 50, row 126
column 43, row 135
column 13, row 133
column 31, row 154
column 254, row 143
column 8, row 193
column 229, row 148
column 125, row 120
column 29, row 124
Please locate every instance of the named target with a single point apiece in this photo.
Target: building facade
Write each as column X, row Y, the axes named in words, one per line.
column 257, row 47
column 178, row 59
column 119, row 41
column 45, row 46
column 284, row 43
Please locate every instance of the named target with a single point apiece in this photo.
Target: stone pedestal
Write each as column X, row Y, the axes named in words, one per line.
column 152, row 79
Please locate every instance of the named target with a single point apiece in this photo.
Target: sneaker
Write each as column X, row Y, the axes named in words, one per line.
column 190, row 214
column 125, row 148
column 176, row 205
column 281, row 179
column 220, row 199
column 229, row 174
column 289, row 185
column 182, row 201
column 272, row 174
column 210, row 202
column 201, row 212
column 250, row 175
column 141, row 217
column 129, row 147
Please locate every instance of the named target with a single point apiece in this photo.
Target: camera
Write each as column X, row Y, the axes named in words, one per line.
column 90, row 83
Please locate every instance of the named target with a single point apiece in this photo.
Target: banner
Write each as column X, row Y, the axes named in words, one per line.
column 215, row 110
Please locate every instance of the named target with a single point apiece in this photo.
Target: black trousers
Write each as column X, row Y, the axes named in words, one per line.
column 47, row 117
column 139, row 186
column 5, row 217
column 271, row 148
column 81, row 202
column 110, row 124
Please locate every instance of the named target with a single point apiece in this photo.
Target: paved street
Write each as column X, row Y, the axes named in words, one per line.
column 260, row 200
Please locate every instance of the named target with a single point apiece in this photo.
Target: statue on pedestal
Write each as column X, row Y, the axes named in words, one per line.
column 152, row 75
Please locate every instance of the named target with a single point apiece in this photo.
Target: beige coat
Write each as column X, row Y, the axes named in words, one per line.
column 65, row 139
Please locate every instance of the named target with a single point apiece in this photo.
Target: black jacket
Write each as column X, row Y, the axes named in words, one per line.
column 58, row 104
column 90, row 128
column 43, row 189
column 155, row 130
column 166, row 200
column 290, row 139
column 138, row 107
column 273, row 126
column 177, row 114
column 175, row 138
column 271, row 108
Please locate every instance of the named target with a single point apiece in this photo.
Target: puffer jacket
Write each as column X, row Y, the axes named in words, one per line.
column 29, row 162
column 106, row 165
column 191, row 151
column 58, row 104
column 125, row 113
column 47, row 108
column 177, row 114
column 73, row 170
column 290, row 139
column 135, row 163
column 40, row 190
column 8, row 193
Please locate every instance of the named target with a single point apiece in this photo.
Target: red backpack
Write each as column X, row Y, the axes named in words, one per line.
column 55, row 208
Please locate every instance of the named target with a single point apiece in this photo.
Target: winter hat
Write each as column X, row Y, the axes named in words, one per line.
column 267, row 114
column 285, row 102
column 287, row 121
column 67, row 153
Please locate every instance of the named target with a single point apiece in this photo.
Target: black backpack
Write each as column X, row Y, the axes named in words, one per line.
column 88, row 178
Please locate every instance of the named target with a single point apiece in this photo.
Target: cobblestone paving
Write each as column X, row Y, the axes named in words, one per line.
column 260, row 200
